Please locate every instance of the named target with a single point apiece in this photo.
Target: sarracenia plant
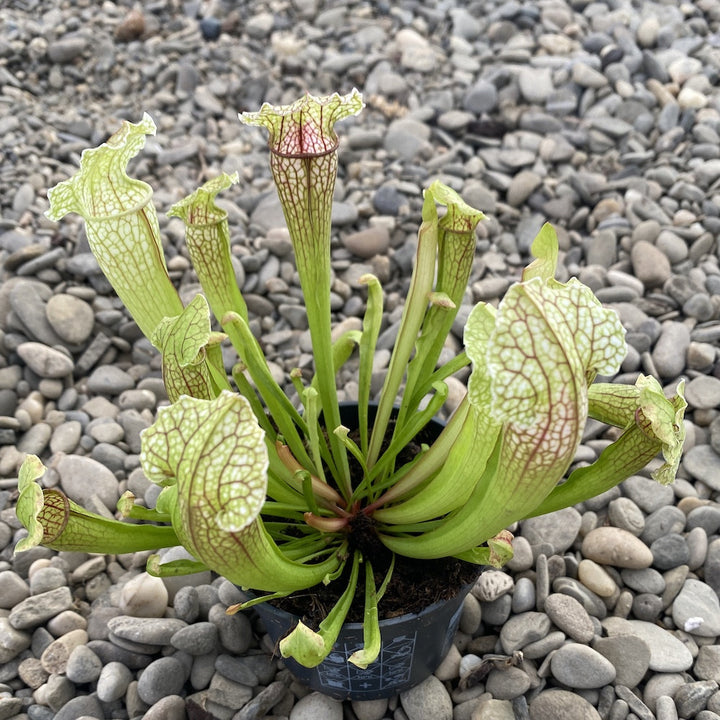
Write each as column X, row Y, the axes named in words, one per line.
column 266, row 491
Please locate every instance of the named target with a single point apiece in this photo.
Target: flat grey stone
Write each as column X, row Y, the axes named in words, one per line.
column 12, row 641
column 227, row 693
column 80, row 706
column 408, row 139
column 14, row 589
column 508, row 683
column 670, row 551
column 523, row 598
column 543, row 647
column 109, row 380
column 70, row 317
column 703, row 392
column 559, row 529
column 535, row 84
column 706, row 517
column 83, row 665
column 707, row 663
column 162, row 677
column 647, row 606
column 186, row 604
column 481, row 97
column 235, row 631
column 586, row 76
column 667, row 653
column 113, row 681
column 65, row 49
column 662, row 522
column 613, row 546
column 558, row 704
column 624, row 513
column 82, row 477
column 692, row 697
column 703, row 463
column 47, row 578
column 428, row 699
column 171, row 707
column 151, row 631
column 579, row 666
column 343, row 214
column 47, row 362
column 669, row 352
column 497, row 612
column 59, row 691
column 696, row 609
column 236, row 669
column 66, row 437
column 570, row 616
column 36, row 609
column 27, row 300
column 647, row 494
column 592, row 602
column 629, row 655
column 197, row 639
column 521, row 630
column 10, row 706
column 269, row 696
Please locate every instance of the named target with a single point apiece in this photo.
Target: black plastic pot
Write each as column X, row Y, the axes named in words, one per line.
column 412, row 647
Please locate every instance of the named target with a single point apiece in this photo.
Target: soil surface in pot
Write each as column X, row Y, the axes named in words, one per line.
column 414, row 585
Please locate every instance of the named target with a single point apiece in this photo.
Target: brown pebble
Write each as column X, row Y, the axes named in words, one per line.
column 687, row 504
column 32, row 673
column 132, row 27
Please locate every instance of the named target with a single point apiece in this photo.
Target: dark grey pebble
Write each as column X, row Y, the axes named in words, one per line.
column 186, row 604
column 198, row 639
column 706, row 516
column 171, row 707
column 647, row 606
column 210, row 28
column 668, row 519
column 36, row 609
column 109, row 652
column 109, row 380
column 235, row 630
column 646, row 580
column 670, row 551
column 692, row 697
column 83, row 665
column 635, row 704
column 236, row 669
column 165, row 676
column 262, row 702
column 82, row 706
column 388, row 201
column 151, row 631
column 28, row 299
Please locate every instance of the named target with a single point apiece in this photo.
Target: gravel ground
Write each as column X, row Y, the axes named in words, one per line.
column 603, row 117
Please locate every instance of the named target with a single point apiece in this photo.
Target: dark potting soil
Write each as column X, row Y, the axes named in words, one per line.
column 414, row 585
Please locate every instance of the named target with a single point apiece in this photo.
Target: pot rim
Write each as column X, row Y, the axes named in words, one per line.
column 387, row 622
